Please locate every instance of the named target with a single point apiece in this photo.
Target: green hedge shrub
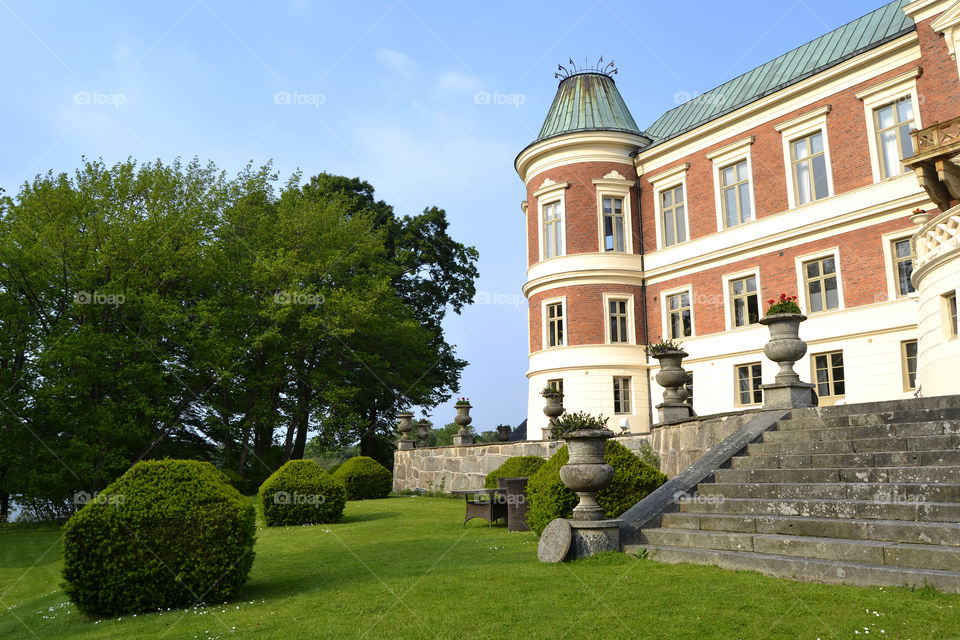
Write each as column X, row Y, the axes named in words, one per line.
column 549, row 498
column 235, row 480
column 364, row 478
column 515, row 467
column 167, row 533
column 301, row 492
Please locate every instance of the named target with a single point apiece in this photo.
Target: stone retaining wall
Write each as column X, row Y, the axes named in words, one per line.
column 458, row 468
column 679, row 444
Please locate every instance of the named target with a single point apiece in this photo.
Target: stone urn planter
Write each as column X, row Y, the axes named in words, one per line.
column 785, row 346
column 672, row 378
column 405, row 427
column 586, row 472
column 423, row 428
column 552, row 409
column 503, row 433
column 462, row 419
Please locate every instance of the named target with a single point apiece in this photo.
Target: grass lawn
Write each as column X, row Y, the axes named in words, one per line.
column 404, row 568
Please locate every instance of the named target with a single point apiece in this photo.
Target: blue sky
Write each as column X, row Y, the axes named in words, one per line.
column 387, row 91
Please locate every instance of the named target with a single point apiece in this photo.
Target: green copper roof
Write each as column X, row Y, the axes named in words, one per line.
column 587, row 102
column 872, row 30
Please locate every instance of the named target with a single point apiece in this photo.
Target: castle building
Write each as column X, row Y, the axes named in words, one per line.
column 798, row 177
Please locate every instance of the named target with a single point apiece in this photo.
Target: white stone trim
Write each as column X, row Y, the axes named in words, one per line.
column 575, row 148
column 948, row 24
column 798, row 127
column 724, row 157
column 663, row 181
column 920, row 10
column 544, row 345
column 631, row 318
column 888, row 239
column 879, row 95
column 664, row 324
column 801, row 280
column 615, row 185
column 727, row 299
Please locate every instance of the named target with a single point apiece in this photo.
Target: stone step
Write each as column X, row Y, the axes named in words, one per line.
column 907, row 404
column 900, row 430
column 884, row 491
column 906, row 510
column 869, row 419
column 935, row 533
column 944, row 474
column 863, row 445
column 920, row 556
column 808, row 569
column 938, row 458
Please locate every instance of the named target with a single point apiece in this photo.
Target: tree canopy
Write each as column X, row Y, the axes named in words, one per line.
column 170, row 310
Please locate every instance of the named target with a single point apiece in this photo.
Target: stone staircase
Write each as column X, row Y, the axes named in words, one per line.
column 860, row 494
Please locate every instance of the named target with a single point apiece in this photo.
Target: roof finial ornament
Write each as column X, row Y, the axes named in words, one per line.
column 608, row 70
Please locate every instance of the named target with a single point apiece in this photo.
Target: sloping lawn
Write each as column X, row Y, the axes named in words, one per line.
column 404, row 568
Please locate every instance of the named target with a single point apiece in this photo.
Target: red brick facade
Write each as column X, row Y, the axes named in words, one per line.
column 584, row 314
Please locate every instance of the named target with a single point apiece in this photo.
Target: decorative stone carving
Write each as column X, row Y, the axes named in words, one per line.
column 672, row 378
column 405, row 427
column 552, row 409
column 463, row 436
column 587, row 472
column 423, row 428
column 785, row 347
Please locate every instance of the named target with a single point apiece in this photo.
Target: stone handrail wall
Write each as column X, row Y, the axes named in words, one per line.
column 679, row 444
column 938, row 236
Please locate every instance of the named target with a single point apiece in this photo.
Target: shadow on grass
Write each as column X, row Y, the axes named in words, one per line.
column 364, row 517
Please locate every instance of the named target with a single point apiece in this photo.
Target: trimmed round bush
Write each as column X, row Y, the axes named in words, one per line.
column 301, row 492
column 549, row 498
column 364, row 478
column 515, row 467
column 166, row 534
column 234, row 479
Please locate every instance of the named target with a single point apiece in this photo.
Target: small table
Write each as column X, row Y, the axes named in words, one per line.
column 486, row 503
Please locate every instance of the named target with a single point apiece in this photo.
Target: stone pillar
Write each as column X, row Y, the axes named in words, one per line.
column 672, row 378
column 553, row 409
column 463, row 418
column 405, row 427
column 423, row 428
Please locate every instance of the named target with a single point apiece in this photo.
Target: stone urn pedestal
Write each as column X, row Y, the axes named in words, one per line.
column 405, row 427
column 785, row 348
column 672, row 378
column 503, row 433
column 586, row 473
column 552, row 409
column 463, row 436
column 423, row 429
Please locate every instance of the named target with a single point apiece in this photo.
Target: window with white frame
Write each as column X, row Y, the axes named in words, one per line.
column 744, row 301
column 554, row 319
column 807, row 157
column 618, row 318
column 890, row 110
column 901, row 253
column 621, row 395
column 613, row 204
column 556, row 385
column 679, row 315
column 748, row 381
column 950, row 313
column 820, row 284
column 732, row 183
column 908, row 355
column 672, row 214
column 828, row 375
column 550, row 198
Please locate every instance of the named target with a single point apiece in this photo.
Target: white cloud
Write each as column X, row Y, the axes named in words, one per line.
column 394, row 60
column 457, row 82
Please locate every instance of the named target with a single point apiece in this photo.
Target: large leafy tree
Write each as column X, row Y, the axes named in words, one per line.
column 169, row 310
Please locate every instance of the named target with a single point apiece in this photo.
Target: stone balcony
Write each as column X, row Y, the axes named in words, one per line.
column 938, row 237
column 935, row 162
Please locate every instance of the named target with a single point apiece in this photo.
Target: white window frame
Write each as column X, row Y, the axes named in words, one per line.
column 736, row 384
column 728, row 302
column 945, row 316
column 664, row 312
column 830, row 400
column 631, row 327
column 722, row 158
column 802, row 281
column 548, row 193
column 613, row 388
column 544, row 344
column 800, row 127
column 904, row 365
column 888, row 262
column 614, row 185
column 880, row 95
column 664, row 181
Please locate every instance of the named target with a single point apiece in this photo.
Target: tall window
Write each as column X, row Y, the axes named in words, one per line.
column 555, row 324
column 673, row 216
column 613, row 227
column 903, row 265
column 748, row 384
column 821, row 284
column 908, row 353
column 893, row 123
column 552, row 235
column 951, row 303
column 735, row 194
column 621, row 395
column 619, row 326
column 828, row 371
column 689, row 387
column 556, row 385
column 679, row 320
column 809, row 168
column 745, row 301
